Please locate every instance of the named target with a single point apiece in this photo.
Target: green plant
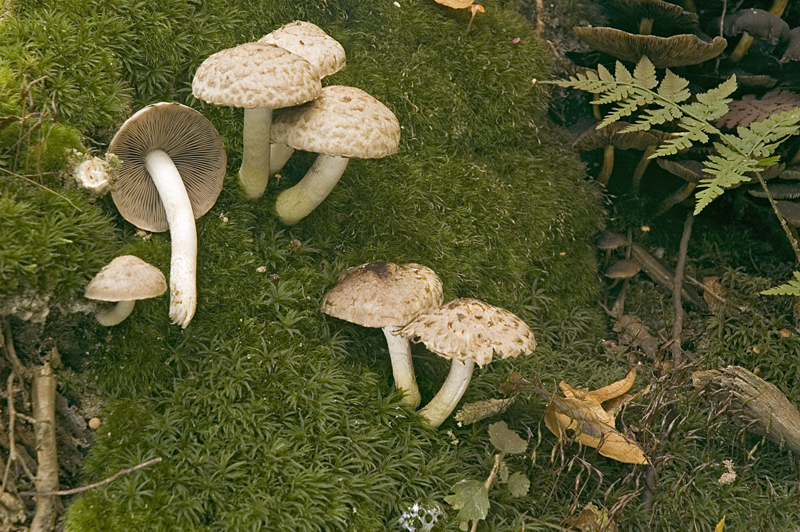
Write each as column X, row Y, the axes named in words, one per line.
column 471, row 497
column 748, row 151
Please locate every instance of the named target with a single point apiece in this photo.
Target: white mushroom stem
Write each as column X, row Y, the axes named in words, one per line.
column 254, row 173
column 180, row 218
column 296, row 203
column 279, row 153
column 451, row 392
column 115, row 314
column 402, row 366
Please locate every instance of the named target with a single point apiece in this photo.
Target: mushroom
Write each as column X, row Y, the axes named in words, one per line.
column 663, row 52
column 123, row 281
column 259, row 77
column 172, row 168
column 387, row 295
column 310, row 42
column 469, row 332
column 344, row 122
column 647, row 11
column 754, row 24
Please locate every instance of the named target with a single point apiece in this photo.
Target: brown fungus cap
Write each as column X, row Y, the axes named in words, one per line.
column 687, row 169
column 758, row 23
column 193, row 144
column 256, row 75
column 126, row 278
column 779, row 191
column 792, row 52
column 610, row 240
column 790, row 210
column 383, row 294
column 623, row 269
column 663, row 52
column 311, row 43
column 666, row 13
column 342, row 122
column 471, row 329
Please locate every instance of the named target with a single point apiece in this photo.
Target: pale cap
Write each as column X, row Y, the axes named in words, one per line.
column 342, row 122
column 471, row 329
column 311, row 43
column 126, row 278
column 383, row 294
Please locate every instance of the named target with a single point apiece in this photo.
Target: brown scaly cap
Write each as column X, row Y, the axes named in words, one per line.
column 256, row 75
column 383, row 294
column 468, row 328
column 663, row 52
column 342, row 122
column 126, row 278
column 311, row 43
column 193, row 144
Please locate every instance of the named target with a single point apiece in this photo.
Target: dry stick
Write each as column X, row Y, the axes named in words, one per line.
column 540, row 17
column 488, row 483
column 12, row 445
column 109, row 480
column 44, row 410
column 11, row 352
column 676, row 290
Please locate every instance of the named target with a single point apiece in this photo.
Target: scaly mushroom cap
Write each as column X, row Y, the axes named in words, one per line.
column 256, row 75
column 311, row 43
column 663, row 52
column 342, row 122
column 193, row 144
column 383, row 294
column 469, row 328
column 126, row 278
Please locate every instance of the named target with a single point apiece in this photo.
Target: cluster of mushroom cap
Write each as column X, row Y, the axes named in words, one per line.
column 405, row 300
column 283, row 70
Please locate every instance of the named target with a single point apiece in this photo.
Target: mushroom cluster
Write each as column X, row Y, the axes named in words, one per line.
column 405, row 301
column 283, row 70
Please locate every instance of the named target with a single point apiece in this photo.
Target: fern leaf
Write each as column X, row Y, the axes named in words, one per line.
column 721, row 92
column 621, row 74
column 728, row 169
column 672, row 146
column 626, row 108
column 652, row 117
column 792, row 288
column 644, row 74
column 674, row 88
column 604, row 74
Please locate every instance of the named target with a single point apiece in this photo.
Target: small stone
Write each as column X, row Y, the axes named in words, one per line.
column 785, row 333
column 94, row 423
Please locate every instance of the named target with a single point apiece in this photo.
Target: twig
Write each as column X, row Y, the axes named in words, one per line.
column 109, row 480
column 12, row 444
column 677, row 327
column 488, row 484
column 11, row 352
column 44, row 411
column 540, row 17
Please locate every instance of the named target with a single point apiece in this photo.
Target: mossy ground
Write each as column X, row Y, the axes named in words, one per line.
column 269, row 415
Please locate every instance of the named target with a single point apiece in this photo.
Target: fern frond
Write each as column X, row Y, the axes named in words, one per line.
column 791, row 288
column 728, row 168
column 674, row 88
column 644, row 75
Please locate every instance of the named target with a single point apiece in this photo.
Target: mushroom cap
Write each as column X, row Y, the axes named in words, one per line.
column 792, row 52
column 610, row 240
column 758, row 23
column 126, row 278
column 383, row 294
column 342, row 122
column 663, row 52
column 689, row 170
column 790, row 210
column 311, row 43
column 471, row 329
column 594, row 138
column 256, row 75
column 666, row 13
column 779, row 191
column 193, row 144
column 623, row 269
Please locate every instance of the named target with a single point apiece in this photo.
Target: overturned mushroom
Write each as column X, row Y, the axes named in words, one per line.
column 172, row 168
column 387, row 295
column 469, row 332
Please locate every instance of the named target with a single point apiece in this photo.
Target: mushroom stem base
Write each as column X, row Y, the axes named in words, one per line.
column 402, row 366
column 451, row 392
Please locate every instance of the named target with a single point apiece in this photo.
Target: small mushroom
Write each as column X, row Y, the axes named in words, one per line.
column 754, row 24
column 792, row 52
column 259, row 77
column 623, row 269
column 469, row 332
column 172, row 167
column 671, row 16
column 387, row 295
column 344, row 122
column 123, row 281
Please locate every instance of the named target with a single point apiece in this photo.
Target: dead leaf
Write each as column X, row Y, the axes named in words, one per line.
column 592, row 519
column 749, row 109
column 456, row 4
